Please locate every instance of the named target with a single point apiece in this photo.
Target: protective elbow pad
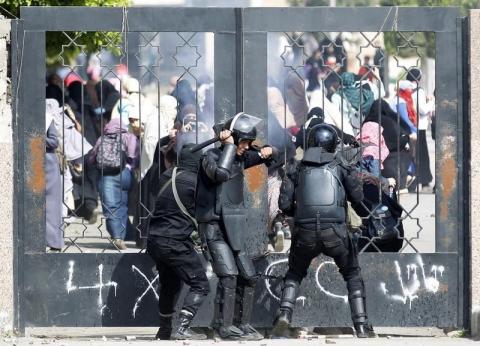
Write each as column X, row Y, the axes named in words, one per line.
column 227, row 157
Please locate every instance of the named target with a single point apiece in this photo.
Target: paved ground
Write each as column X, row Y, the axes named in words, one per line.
column 144, row 336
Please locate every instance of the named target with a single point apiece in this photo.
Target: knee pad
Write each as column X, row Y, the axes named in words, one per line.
column 222, row 257
column 246, row 269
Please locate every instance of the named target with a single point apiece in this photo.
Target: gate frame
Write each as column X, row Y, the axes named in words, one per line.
column 240, row 32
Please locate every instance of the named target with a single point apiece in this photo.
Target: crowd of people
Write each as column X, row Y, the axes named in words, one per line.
column 107, row 142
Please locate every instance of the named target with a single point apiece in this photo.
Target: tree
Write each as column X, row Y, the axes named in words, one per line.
column 58, row 42
column 423, row 42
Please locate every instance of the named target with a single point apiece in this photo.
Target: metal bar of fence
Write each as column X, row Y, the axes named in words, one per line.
column 366, row 19
column 224, row 75
column 17, row 46
column 75, row 18
column 447, row 198
column 255, row 102
column 31, row 109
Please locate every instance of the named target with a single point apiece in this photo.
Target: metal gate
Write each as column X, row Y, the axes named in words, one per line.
column 108, row 288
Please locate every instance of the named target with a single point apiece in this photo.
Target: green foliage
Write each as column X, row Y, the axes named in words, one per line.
column 464, row 5
column 424, row 40
column 88, row 42
column 340, row 3
column 13, row 6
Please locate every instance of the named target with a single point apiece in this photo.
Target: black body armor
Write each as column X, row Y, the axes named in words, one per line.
column 320, row 195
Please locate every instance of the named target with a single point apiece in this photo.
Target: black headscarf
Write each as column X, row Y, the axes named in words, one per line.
column 107, row 94
column 187, row 160
column 184, row 94
column 54, row 92
column 317, row 112
column 75, row 91
column 395, row 130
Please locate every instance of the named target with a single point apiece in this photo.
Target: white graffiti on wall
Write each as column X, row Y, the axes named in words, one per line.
column 268, row 272
column 417, row 277
column 411, row 286
column 414, row 280
column 99, row 285
column 149, row 288
column 328, row 293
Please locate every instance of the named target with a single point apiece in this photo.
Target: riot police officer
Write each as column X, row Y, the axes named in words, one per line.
column 173, row 251
column 317, row 193
column 221, row 214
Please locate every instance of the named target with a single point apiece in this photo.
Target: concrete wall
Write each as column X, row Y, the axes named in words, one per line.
column 475, row 164
column 6, row 186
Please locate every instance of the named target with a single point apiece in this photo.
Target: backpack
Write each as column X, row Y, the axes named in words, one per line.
column 111, row 154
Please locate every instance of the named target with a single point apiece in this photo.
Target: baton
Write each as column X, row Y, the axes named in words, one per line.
column 204, row 144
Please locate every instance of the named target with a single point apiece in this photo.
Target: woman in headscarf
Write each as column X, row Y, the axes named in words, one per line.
column 278, row 109
column 353, row 100
column 296, row 98
column 74, row 147
column 316, row 116
column 385, row 230
column 183, row 93
column 85, row 193
column 53, row 189
column 158, row 128
column 332, row 113
column 107, row 96
column 396, row 134
column 374, row 150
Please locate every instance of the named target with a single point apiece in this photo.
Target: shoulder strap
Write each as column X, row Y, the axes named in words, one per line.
column 164, row 187
column 179, row 202
column 149, row 217
column 332, row 168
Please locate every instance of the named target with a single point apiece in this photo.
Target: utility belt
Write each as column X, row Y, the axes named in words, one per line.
column 320, row 225
column 318, row 220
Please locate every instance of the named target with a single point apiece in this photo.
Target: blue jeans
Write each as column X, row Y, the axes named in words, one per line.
column 114, row 196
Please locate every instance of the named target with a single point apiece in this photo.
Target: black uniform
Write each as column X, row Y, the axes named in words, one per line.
column 173, row 251
column 222, row 216
column 317, row 192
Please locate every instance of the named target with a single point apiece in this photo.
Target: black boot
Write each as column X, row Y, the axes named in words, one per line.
column 165, row 328
column 183, row 331
column 245, row 297
column 287, row 303
column 359, row 315
column 282, row 322
column 226, row 309
column 364, row 330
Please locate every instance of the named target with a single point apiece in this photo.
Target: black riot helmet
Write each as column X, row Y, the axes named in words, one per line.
column 324, row 136
column 243, row 127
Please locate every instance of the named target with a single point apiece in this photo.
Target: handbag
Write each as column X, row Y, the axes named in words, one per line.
column 77, row 176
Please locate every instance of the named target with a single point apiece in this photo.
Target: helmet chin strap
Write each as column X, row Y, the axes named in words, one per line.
column 232, row 125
